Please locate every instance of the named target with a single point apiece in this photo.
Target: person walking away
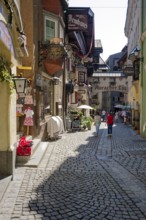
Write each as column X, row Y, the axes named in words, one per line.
column 123, row 116
column 97, row 122
column 110, row 120
column 116, row 117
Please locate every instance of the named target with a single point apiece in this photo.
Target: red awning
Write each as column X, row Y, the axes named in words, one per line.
column 53, row 66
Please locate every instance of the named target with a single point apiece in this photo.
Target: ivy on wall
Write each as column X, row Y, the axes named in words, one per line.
column 5, row 75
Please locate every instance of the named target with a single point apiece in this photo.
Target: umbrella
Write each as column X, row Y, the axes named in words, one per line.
column 85, row 107
column 119, row 106
column 122, row 106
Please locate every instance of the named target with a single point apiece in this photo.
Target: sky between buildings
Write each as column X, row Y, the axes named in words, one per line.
column 110, row 17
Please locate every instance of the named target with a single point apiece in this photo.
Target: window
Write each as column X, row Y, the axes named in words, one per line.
column 112, row 79
column 51, row 28
column 136, row 69
column 81, row 77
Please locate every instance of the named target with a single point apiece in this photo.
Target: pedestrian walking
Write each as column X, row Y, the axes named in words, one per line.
column 109, row 121
column 103, row 115
column 97, row 122
column 116, row 117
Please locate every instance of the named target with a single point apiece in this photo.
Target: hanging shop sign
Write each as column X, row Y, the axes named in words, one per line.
column 77, row 22
column 56, row 51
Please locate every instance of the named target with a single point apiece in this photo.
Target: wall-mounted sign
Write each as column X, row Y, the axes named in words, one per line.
column 81, row 77
column 81, row 91
column 112, row 88
column 77, row 22
column 38, row 80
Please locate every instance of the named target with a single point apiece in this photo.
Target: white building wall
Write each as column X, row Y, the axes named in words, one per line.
column 132, row 24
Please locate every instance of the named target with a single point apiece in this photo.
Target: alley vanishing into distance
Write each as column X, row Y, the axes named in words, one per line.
column 83, row 177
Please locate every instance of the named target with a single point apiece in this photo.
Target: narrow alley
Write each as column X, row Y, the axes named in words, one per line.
column 83, row 177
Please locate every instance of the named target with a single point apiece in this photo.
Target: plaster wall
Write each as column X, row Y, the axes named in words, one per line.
column 143, row 99
column 132, row 24
column 143, row 71
column 7, row 130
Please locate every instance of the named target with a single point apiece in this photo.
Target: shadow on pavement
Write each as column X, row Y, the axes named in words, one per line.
column 75, row 184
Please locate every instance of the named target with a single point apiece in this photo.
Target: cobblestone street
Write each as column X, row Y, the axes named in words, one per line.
column 83, row 177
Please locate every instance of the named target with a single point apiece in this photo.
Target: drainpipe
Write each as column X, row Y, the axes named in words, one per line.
column 64, row 80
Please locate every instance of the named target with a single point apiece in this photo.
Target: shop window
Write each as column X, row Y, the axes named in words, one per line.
column 45, row 100
column 41, row 106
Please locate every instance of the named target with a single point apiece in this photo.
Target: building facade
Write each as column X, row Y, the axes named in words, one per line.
column 132, row 32
column 108, row 90
column 142, row 58
column 13, row 48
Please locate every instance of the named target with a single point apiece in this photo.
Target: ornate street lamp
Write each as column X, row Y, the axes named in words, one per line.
column 136, row 54
column 20, row 84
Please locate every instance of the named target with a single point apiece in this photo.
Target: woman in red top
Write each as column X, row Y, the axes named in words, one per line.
column 110, row 120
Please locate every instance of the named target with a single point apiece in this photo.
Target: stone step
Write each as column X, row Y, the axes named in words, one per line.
column 35, row 145
column 35, row 159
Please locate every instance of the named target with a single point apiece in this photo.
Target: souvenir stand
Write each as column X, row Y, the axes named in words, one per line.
column 24, row 112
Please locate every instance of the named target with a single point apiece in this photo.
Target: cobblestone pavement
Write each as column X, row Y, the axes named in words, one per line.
column 83, row 177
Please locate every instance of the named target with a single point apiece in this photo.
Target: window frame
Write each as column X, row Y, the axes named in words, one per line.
column 52, row 19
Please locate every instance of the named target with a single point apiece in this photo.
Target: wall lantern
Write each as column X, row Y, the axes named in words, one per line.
column 56, row 80
column 20, row 84
column 136, row 54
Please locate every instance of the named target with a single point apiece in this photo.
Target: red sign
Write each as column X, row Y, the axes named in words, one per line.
column 77, row 22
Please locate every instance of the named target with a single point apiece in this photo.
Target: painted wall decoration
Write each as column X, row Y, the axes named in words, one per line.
column 5, row 37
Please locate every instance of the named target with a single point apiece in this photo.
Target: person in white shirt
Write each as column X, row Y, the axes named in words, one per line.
column 103, row 115
column 97, row 122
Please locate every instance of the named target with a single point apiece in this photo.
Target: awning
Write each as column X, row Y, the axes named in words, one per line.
column 53, row 66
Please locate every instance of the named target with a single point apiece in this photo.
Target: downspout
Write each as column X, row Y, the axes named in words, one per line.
column 64, row 83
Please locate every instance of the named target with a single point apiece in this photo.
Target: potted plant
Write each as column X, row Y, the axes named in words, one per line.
column 5, row 75
column 87, row 122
